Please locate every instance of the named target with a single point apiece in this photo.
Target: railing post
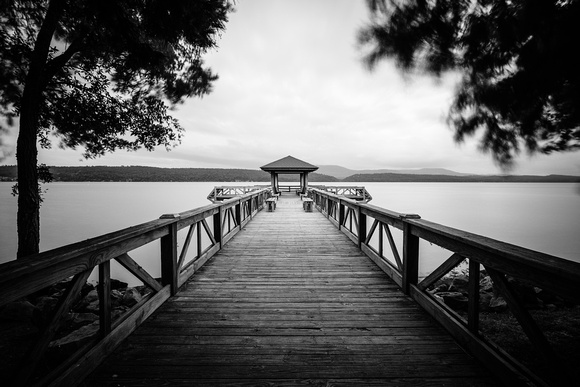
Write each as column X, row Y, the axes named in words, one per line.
column 333, row 208
column 217, row 226
column 104, row 290
column 362, row 227
column 340, row 214
column 410, row 254
column 473, row 305
column 238, row 213
column 198, row 235
column 169, row 256
column 381, row 244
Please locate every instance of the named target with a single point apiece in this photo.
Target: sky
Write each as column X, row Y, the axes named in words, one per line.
column 292, row 82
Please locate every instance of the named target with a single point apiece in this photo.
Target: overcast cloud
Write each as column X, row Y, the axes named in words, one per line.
column 292, row 83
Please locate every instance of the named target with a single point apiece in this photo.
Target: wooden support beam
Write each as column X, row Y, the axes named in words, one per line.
column 393, row 246
column 529, row 326
column 128, row 263
column 37, row 351
column 209, row 233
column 95, row 355
column 449, row 264
column 186, row 244
column 371, row 232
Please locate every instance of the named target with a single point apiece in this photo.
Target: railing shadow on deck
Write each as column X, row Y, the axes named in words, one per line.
column 369, row 227
column 208, row 229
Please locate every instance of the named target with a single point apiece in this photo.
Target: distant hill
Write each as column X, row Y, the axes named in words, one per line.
column 396, row 177
column 341, row 172
column 139, row 173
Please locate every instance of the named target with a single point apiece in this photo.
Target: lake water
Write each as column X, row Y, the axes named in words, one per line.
column 540, row 216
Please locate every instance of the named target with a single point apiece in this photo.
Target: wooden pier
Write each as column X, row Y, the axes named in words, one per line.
column 290, row 301
column 281, row 297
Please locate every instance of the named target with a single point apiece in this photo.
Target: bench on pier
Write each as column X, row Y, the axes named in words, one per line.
column 307, row 204
column 271, row 203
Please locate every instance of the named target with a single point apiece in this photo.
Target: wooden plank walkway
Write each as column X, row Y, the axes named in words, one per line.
column 290, row 301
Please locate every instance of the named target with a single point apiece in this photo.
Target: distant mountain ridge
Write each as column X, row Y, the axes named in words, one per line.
column 342, row 172
column 323, row 175
column 417, row 178
column 155, row 174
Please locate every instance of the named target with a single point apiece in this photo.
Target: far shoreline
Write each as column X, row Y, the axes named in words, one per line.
column 218, row 175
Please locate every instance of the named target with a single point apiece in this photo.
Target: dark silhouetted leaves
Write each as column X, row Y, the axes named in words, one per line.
column 99, row 74
column 520, row 85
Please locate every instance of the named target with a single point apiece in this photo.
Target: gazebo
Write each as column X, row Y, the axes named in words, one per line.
column 289, row 165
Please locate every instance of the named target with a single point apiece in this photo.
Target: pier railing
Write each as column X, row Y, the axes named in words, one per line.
column 207, row 229
column 288, row 187
column 221, row 193
column 358, row 193
column 371, row 228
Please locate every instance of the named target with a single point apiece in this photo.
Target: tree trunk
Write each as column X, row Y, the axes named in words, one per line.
column 28, row 218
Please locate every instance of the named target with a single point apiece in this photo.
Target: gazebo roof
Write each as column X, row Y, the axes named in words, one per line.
column 289, row 164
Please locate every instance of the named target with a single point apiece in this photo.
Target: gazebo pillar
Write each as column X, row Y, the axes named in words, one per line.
column 274, row 180
column 303, row 182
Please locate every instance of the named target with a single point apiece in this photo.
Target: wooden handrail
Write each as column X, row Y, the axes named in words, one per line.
column 556, row 274
column 359, row 193
column 359, row 221
column 505, row 257
column 23, row 277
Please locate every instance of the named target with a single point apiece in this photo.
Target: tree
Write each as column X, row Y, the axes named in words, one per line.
column 101, row 74
column 520, row 80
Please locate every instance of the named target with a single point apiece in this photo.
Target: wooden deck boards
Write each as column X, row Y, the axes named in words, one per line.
column 290, row 301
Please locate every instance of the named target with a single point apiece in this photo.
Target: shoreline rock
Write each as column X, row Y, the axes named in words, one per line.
column 452, row 290
column 82, row 321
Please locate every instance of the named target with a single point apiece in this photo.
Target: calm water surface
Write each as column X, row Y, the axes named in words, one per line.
column 539, row 216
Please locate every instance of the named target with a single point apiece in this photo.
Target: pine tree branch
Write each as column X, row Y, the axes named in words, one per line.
column 54, row 65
